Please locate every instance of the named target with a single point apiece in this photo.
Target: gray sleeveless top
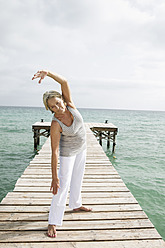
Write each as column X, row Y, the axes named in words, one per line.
column 73, row 138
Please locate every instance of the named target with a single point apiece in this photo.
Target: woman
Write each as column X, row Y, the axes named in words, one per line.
column 67, row 133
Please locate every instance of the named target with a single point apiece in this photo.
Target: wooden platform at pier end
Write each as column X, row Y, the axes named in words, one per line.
column 106, row 131
column 117, row 220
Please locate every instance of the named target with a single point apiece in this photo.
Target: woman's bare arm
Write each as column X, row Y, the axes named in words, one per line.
column 64, row 87
column 61, row 80
column 55, row 139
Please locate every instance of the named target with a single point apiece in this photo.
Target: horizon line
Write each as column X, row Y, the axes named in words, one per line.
column 19, row 106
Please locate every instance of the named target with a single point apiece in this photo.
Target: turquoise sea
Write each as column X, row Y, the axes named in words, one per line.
column 140, row 151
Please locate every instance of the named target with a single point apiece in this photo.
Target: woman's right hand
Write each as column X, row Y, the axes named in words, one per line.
column 55, row 185
column 40, row 74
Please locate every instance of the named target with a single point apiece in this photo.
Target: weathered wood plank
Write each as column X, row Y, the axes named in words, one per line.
column 96, row 154
column 96, row 208
column 88, row 179
column 30, row 181
column 47, row 171
column 90, row 171
column 87, row 166
column 85, row 189
column 40, row 195
column 92, row 235
column 70, row 215
column 42, row 202
column 48, row 161
column 104, row 177
column 87, row 162
column 111, row 178
column 78, row 225
column 40, row 184
column 92, row 244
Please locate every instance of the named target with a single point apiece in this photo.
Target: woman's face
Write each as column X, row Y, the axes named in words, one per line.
column 56, row 105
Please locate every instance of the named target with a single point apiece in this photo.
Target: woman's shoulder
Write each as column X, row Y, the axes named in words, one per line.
column 71, row 105
column 56, row 120
column 55, row 126
column 73, row 111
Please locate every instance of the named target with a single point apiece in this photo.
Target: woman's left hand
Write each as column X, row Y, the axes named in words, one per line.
column 40, row 74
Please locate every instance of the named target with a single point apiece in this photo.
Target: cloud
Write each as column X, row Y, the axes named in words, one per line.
column 99, row 46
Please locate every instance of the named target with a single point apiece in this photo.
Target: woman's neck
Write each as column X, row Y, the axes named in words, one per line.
column 66, row 117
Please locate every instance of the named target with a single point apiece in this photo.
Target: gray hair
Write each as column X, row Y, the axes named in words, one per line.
column 48, row 95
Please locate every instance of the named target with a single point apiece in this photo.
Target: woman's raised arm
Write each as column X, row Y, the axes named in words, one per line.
column 61, row 80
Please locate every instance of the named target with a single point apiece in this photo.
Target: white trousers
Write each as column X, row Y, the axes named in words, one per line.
column 71, row 174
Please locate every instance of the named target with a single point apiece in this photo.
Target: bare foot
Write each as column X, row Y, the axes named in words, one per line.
column 52, row 233
column 82, row 208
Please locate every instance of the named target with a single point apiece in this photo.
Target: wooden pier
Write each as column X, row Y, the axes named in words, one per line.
column 117, row 219
column 106, row 131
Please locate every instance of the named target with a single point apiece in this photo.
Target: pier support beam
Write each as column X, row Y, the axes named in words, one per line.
column 100, row 138
column 108, row 140
column 105, row 131
column 114, row 142
column 36, row 128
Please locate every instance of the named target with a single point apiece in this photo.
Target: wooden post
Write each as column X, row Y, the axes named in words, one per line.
column 100, row 138
column 114, row 142
column 35, row 139
column 108, row 140
column 38, row 137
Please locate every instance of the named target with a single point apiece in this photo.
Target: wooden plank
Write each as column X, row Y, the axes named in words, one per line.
column 78, row 225
column 91, row 184
column 88, row 163
column 70, row 215
column 26, row 182
column 148, row 243
column 88, row 172
column 113, row 178
column 85, row 189
column 41, row 195
column 96, row 155
column 41, row 171
column 89, row 166
column 98, row 162
column 88, row 235
column 96, row 208
column 91, row 158
column 89, row 176
column 86, row 180
column 42, row 202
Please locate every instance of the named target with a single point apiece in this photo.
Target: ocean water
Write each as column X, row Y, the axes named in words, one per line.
column 140, row 151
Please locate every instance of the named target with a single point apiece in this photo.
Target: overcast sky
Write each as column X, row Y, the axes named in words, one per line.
column 111, row 52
